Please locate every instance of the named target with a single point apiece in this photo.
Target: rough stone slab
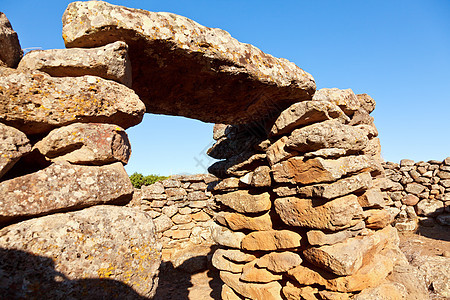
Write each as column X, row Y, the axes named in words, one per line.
column 306, row 113
column 245, row 202
column 225, row 237
column 342, row 187
column 278, row 151
column 293, row 292
column 327, row 134
column 13, row 145
column 10, row 50
column 437, row 273
column 266, row 291
column 238, row 165
column 237, row 221
column 333, row 215
column 251, row 273
column 228, row 293
column 183, row 68
column 109, row 62
column 347, row 257
column 37, row 103
column 271, row 240
column 388, row 290
column 372, row 198
column 237, row 255
column 430, row 207
column 87, row 143
column 62, row 187
column 377, row 218
column 89, row 254
column 319, row 238
column 317, row 170
column 345, row 99
column 220, row 262
column 279, row 262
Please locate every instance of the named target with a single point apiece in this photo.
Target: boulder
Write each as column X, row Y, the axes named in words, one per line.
column 89, row 254
column 271, row 240
column 109, row 62
column 266, row 291
column 345, row 99
column 317, row 170
column 13, row 145
column 63, row 187
column 331, row 215
column 10, row 51
column 36, row 103
column 306, row 113
column 86, row 143
column 279, row 262
column 183, row 68
column 245, row 202
column 327, row 134
column 347, row 257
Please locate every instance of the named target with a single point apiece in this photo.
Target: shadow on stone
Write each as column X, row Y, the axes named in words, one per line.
column 27, row 276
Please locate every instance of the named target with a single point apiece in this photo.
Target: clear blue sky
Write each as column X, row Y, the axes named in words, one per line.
column 396, row 51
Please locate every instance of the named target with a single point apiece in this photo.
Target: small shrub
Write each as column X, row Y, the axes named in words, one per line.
column 138, row 180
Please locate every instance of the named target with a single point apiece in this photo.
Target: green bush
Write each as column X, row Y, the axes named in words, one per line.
column 138, row 180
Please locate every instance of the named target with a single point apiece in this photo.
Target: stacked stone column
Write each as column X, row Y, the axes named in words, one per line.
column 301, row 213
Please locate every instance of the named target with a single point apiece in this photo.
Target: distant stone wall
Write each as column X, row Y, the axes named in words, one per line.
column 181, row 208
column 420, row 193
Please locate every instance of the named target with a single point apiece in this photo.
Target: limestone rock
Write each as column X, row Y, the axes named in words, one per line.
column 366, row 102
column 237, row 221
column 385, row 291
column 319, row 238
column 437, row 273
column 220, row 262
column 261, row 177
column 278, row 152
column 347, row 257
column 87, row 143
column 332, row 215
column 89, row 254
column 327, row 134
column 371, row 198
column 228, row 293
column 271, row 240
column 13, row 145
column 306, row 113
column 414, row 188
column 237, row 255
column 430, row 207
column 36, row 103
column 345, row 99
column 225, row 237
column 183, row 65
column 412, row 279
column 292, row 292
column 10, row 51
column 109, row 62
column 237, row 165
column 62, row 187
column 279, row 262
column 162, row 223
column 377, row 218
column 228, row 184
column 317, row 170
column 257, row 291
column 251, row 273
column 245, row 202
column 342, row 187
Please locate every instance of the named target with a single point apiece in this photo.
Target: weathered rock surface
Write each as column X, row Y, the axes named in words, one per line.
column 437, row 273
column 279, row 261
column 251, row 273
column 94, row 253
column 269, row 291
column 345, row 99
column 225, row 237
column 278, row 151
column 10, row 51
column 318, row 170
column 179, row 65
column 327, row 134
column 388, row 291
column 332, row 215
column 371, row 198
column 305, row 113
column 13, row 145
column 366, row 102
column 237, row 221
column 319, row 238
column 109, row 62
column 87, row 143
column 347, row 257
column 238, row 165
column 36, row 103
column 430, row 207
column 271, row 240
column 377, row 218
column 245, row 202
column 62, row 187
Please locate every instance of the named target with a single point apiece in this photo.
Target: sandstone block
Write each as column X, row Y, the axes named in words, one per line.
column 278, row 152
column 87, row 143
column 317, row 170
column 377, row 218
column 345, row 99
column 237, row 165
column 306, row 113
column 184, row 65
column 319, row 238
column 372, row 198
column 333, row 215
column 109, row 62
column 271, row 240
column 13, row 145
column 89, row 254
column 430, row 207
column 393, row 291
column 228, row 184
column 237, row 255
column 62, row 187
column 327, row 134
column 257, row 291
column 366, row 102
column 292, row 292
column 220, row 262
column 10, row 50
column 414, row 188
column 162, row 223
column 228, row 293
column 251, row 273
column 36, row 103
column 181, row 219
column 244, row 202
column 279, row 262
column 237, row 221
column 225, row 237
column 261, row 177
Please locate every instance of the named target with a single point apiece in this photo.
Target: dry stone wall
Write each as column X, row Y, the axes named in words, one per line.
column 420, row 193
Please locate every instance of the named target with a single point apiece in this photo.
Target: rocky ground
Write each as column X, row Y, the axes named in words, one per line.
column 429, row 247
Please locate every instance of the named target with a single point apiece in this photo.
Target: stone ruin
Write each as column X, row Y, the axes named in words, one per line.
column 299, row 199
